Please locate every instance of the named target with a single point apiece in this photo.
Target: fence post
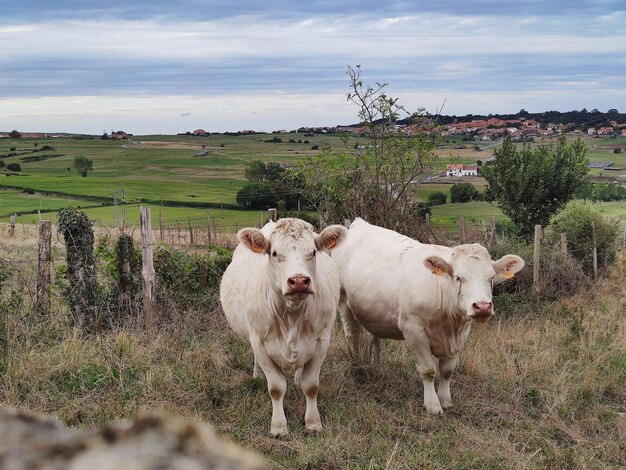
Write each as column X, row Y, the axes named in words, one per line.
column 123, row 221
column 160, row 224
column 190, row 230
column 564, row 243
column 43, row 268
column 272, row 214
column 208, row 226
column 537, row 257
column 147, row 269
column 492, row 224
column 463, row 234
column 346, row 223
column 12, row 223
column 595, row 250
column 427, row 219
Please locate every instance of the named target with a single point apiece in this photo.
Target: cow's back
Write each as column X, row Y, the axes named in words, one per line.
column 370, row 263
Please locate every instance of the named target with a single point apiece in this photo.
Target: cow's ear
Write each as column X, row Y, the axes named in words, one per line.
column 506, row 267
column 330, row 237
column 254, row 239
column 438, row 266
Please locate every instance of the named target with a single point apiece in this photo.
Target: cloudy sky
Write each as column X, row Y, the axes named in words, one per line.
column 165, row 67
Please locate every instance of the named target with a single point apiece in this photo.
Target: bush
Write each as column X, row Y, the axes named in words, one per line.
column 315, row 147
column 617, row 150
column 14, row 167
column 2, row 164
column 12, row 149
column 464, row 192
column 576, row 222
column 258, row 195
column 437, row 198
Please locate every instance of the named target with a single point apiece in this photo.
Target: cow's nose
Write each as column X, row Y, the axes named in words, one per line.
column 482, row 307
column 299, row 283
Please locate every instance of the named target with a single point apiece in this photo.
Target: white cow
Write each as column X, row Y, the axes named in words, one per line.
column 280, row 293
column 428, row 295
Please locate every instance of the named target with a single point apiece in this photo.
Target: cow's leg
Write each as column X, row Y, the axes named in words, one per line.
column 446, row 366
column 257, row 369
column 419, row 344
column 374, row 349
column 309, row 382
column 276, row 386
column 351, row 327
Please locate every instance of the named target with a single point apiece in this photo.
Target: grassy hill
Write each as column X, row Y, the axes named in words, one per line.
column 164, row 170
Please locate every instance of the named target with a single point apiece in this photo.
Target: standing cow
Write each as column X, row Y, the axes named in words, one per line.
column 428, row 295
column 280, row 293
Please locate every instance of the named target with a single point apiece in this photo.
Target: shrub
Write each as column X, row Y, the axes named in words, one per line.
column 2, row 164
column 464, row 192
column 576, row 222
column 437, row 198
column 315, row 147
column 12, row 149
column 14, row 167
column 258, row 195
column 617, row 150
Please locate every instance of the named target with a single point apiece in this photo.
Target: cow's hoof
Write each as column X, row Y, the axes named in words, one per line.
column 278, row 432
column 312, row 429
column 446, row 404
column 434, row 410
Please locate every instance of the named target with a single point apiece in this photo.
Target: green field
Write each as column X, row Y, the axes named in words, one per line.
column 165, row 171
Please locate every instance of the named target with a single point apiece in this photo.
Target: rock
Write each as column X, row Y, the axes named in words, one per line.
column 148, row 443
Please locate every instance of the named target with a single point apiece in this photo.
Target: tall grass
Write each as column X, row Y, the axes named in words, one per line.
column 540, row 389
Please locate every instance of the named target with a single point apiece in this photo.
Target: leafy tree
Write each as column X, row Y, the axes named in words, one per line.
column 83, row 165
column 464, row 192
column 15, row 134
column 257, row 195
column 376, row 181
column 437, row 198
column 274, row 171
column 256, row 171
column 2, row 164
column 14, row 167
column 532, row 184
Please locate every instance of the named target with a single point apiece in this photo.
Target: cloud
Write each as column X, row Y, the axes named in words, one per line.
column 80, row 59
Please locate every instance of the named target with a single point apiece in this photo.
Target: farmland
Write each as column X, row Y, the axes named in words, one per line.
column 539, row 386
column 165, row 171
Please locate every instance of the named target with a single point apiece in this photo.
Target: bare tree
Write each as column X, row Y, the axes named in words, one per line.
column 377, row 171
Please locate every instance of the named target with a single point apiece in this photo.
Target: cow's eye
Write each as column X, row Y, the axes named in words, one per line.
column 274, row 254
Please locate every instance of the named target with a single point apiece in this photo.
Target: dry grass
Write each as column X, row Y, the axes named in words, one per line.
column 541, row 390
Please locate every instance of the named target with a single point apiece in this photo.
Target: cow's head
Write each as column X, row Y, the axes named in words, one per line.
column 292, row 249
column 472, row 275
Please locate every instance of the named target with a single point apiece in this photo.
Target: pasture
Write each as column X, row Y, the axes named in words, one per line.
column 165, row 171
column 539, row 386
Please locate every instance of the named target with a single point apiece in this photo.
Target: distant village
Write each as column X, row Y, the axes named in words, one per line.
column 480, row 128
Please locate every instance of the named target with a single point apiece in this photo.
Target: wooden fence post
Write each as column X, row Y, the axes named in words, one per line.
column 537, row 257
column 595, row 249
column 123, row 221
column 190, row 230
column 147, row 269
column 12, row 223
column 463, row 233
column 492, row 225
column 272, row 214
column 43, row 268
column 160, row 224
column 346, row 223
column 564, row 243
column 208, row 226
column 427, row 219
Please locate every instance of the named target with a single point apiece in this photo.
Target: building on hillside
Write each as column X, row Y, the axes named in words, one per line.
column 461, row 170
column 200, row 132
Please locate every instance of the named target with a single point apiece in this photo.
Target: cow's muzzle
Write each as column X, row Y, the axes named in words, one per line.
column 482, row 311
column 299, row 284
